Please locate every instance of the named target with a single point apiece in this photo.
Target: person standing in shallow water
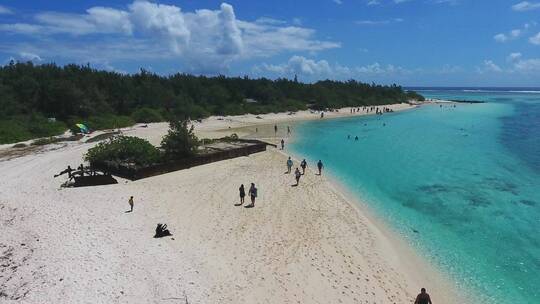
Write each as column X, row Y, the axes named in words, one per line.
column 242, row 193
column 289, row 165
column 423, row 297
column 320, row 166
column 130, row 202
column 252, row 194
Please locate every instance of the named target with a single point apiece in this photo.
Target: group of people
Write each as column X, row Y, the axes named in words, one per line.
column 303, row 165
column 378, row 111
column 252, row 194
column 276, row 129
column 297, row 174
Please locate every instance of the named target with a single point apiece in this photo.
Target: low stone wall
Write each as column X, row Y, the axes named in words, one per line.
column 135, row 173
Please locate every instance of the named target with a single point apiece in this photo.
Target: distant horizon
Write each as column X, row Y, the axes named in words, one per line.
column 406, row 87
column 409, row 42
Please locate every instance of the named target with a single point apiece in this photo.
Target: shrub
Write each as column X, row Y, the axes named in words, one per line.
column 146, row 115
column 124, row 149
column 20, row 128
column 180, row 141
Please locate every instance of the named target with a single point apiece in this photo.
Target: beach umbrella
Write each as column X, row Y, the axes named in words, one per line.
column 83, row 128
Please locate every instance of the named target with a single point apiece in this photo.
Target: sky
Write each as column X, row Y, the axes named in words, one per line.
column 407, row 42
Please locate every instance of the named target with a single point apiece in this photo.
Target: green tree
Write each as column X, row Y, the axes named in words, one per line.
column 180, row 141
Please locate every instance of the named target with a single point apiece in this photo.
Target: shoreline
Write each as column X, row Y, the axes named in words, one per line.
column 439, row 282
column 435, row 280
column 440, row 285
column 307, row 244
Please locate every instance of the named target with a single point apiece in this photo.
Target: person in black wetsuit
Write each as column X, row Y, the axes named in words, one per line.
column 423, row 297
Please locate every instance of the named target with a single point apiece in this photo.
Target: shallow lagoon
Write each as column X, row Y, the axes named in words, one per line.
column 462, row 184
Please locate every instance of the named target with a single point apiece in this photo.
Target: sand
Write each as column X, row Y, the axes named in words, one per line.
column 305, row 244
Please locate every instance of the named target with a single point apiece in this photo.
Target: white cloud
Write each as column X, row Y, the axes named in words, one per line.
column 21, row 28
column 205, row 40
column 513, row 57
column 379, row 2
column 450, row 2
column 378, row 22
column 98, row 20
column 450, row 69
column 320, row 69
column 5, row 11
column 268, row 20
column 526, row 6
column 165, row 21
column 513, row 34
column 302, row 66
column 488, row 66
column 535, row 39
column 26, row 56
column 500, row 38
column 338, row 1
column 528, row 65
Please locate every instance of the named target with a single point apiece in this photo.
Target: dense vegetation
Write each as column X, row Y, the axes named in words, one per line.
column 31, row 93
column 124, row 149
column 180, row 142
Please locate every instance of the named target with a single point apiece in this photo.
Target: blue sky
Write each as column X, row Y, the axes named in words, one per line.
column 409, row 42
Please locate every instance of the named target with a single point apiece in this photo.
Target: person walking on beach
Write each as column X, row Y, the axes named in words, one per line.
column 288, row 130
column 282, row 144
column 423, row 297
column 320, row 166
column 130, row 202
column 253, row 195
column 275, row 129
column 303, row 164
column 242, row 193
column 297, row 175
column 289, row 165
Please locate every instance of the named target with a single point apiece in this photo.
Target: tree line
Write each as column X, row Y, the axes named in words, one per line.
column 29, row 94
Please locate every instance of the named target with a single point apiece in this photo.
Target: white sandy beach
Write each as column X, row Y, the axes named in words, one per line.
column 305, row 244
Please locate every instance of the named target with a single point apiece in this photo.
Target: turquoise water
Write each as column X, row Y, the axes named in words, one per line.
column 462, row 184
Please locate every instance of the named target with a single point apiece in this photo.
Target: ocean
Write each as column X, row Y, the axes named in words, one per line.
column 461, row 184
